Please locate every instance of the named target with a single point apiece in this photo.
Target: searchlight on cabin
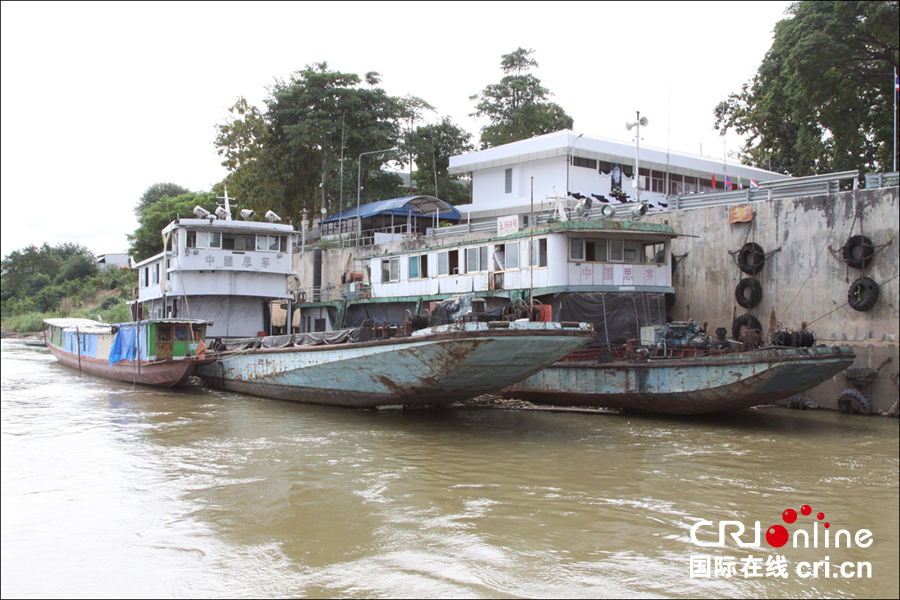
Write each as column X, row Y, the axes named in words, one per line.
column 201, row 212
column 608, row 211
column 271, row 217
column 247, row 214
column 222, row 213
column 638, row 211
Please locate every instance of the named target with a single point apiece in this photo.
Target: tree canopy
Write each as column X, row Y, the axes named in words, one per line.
column 821, row 100
column 147, row 240
column 431, row 147
column 288, row 158
column 155, row 193
column 518, row 107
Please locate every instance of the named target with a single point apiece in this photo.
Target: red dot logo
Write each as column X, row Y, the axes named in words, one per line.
column 827, row 525
column 805, row 510
column 776, row 536
column 789, row 516
column 820, row 516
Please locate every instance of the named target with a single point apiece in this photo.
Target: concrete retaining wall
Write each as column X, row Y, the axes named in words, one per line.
column 803, row 282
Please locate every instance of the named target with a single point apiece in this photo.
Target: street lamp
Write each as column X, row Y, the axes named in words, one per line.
column 359, row 188
column 571, row 164
column 637, row 157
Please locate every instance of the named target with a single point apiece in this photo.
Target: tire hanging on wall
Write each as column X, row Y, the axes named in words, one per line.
column 863, row 294
column 742, row 321
column 852, row 402
column 740, row 292
column 858, row 251
column 751, row 258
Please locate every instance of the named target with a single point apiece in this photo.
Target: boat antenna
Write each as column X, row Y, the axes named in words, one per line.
column 227, row 205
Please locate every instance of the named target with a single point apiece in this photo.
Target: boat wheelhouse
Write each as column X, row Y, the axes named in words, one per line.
column 233, row 273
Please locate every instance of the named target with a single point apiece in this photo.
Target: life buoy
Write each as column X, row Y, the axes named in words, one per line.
column 742, row 321
column 863, row 294
column 858, row 251
column 852, row 401
column 751, row 258
column 740, row 292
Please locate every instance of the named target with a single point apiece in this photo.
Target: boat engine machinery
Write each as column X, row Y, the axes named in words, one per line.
column 677, row 334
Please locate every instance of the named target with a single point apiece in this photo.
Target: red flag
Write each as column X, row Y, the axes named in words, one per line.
column 714, row 181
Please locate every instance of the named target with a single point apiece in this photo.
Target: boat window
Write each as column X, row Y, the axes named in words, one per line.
column 448, row 262
column 390, row 270
column 512, row 256
column 616, row 250
column 655, row 253
column 595, row 250
column 538, row 253
column 632, row 251
column 155, row 271
column 190, row 239
column 418, row 267
column 576, row 249
column 209, row 239
column 238, row 241
column 476, row 259
column 182, row 333
column 163, row 333
column 268, row 243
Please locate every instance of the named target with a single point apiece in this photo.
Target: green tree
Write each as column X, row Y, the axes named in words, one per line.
column 821, row 100
column 78, row 266
column 431, row 147
column 147, row 239
column 311, row 114
column 518, row 107
column 155, row 193
column 21, row 267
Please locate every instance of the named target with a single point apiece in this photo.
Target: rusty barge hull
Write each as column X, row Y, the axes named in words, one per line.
column 438, row 365
column 162, row 373
column 686, row 386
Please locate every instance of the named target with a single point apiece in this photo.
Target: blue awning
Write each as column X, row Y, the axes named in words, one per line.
column 420, row 206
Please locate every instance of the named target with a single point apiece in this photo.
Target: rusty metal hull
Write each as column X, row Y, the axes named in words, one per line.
column 162, row 373
column 708, row 384
column 437, row 365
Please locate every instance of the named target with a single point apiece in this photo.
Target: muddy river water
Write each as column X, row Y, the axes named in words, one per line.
column 110, row 490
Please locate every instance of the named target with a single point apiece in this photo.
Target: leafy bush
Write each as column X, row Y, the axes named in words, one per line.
column 109, row 302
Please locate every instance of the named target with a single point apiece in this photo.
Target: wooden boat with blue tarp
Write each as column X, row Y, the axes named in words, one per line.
column 161, row 352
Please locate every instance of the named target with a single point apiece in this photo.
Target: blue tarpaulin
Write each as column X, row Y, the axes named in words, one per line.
column 125, row 344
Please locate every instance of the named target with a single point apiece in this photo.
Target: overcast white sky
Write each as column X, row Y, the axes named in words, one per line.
column 100, row 101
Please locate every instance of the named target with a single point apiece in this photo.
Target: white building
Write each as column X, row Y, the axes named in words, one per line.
column 566, row 161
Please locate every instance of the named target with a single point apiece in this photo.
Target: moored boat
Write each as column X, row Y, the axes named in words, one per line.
column 686, row 385
column 162, row 352
column 434, row 365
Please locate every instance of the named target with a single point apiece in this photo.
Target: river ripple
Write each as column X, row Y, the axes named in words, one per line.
column 110, row 490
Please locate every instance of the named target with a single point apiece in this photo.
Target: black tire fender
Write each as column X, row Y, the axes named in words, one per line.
column 858, row 251
column 852, row 401
column 863, row 294
column 742, row 321
column 751, row 258
column 740, row 292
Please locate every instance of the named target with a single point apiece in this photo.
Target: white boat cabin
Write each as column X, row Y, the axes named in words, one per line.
column 233, row 273
column 575, row 256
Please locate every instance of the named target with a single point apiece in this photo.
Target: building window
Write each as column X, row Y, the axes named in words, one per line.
column 390, row 270
column 155, row 273
column 538, row 253
column 658, row 182
column 418, row 267
column 509, row 181
column 476, row 259
column 589, row 163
